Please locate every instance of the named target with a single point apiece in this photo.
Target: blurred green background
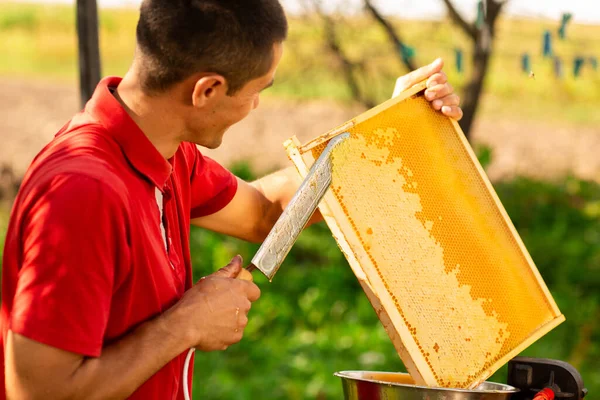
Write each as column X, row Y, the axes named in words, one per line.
column 314, row 319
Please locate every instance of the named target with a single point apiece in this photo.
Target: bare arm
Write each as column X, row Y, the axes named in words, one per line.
column 206, row 318
column 35, row 370
column 255, row 207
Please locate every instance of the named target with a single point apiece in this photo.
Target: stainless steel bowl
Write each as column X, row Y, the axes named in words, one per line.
column 367, row 385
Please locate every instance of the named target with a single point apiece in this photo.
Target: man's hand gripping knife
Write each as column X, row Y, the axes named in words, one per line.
column 229, row 307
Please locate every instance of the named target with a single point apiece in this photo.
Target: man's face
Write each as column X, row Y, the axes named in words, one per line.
column 207, row 129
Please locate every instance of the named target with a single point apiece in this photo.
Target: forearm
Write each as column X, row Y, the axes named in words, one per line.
column 127, row 364
column 255, row 207
column 123, row 366
column 278, row 189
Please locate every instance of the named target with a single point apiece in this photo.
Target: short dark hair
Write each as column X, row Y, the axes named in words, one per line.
column 234, row 38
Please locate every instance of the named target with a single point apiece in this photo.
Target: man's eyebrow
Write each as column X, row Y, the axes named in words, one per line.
column 269, row 85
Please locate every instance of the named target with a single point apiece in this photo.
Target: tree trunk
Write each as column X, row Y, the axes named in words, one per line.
column 472, row 91
column 482, row 37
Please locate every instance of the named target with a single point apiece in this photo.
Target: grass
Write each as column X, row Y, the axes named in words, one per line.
column 39, row 42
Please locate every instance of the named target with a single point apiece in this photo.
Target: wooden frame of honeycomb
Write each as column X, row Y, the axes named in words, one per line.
column 430, row 242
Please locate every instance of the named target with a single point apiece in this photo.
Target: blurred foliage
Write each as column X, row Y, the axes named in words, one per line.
column 39, row 41
column 314, row 318
column 484, row 154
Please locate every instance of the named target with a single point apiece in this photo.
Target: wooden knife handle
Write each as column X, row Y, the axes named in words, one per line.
column 245, row 273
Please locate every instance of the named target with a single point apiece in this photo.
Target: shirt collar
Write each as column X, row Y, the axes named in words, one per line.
column 141, row 153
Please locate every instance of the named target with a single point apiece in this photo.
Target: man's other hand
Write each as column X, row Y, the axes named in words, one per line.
column 439, row 92
column 212, row 314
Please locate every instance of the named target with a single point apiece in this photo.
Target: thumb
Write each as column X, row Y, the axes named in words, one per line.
column 232, row 269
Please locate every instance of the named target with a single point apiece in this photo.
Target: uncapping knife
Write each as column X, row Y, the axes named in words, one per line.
column 295, row 216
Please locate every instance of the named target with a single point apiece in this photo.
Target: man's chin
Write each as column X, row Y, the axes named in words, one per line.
column 217, row 142
column 211, row 144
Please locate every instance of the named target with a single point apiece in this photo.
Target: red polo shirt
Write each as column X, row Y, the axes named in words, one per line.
column 85, row 260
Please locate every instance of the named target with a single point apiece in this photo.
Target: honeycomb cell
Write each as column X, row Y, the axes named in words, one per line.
column 407, row 187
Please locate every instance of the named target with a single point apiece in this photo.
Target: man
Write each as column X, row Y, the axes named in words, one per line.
column 97, row 295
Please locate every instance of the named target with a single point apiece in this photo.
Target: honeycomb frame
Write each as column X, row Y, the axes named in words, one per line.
column 427, row 364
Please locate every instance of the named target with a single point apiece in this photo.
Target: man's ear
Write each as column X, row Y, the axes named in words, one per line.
column 208, row 88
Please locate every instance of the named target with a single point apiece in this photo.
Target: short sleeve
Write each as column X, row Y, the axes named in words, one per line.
column 72, row 240
column 212, row 186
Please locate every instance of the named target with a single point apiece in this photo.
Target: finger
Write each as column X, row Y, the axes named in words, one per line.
column 232, row 269
column 451, row 100
column 437, row 79
column 238, row 336
column 453, row 112
column 252, row 291
column 439, row 91
column 242, row 321
column 416, row 76
column 245, row 306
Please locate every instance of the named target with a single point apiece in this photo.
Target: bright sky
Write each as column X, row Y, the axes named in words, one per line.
column 584, row 11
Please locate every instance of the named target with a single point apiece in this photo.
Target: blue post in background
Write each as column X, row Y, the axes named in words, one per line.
column 547, row 45
column 525, row 63
column 594, row 63
column 480, row 14
column 558, row 67
column 459, row 60
column 577, row 66
column 407, row 53
column 562, row 30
